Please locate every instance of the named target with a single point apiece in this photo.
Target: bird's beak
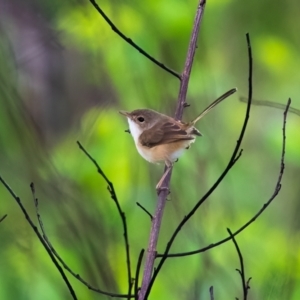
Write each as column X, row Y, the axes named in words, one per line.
column 124, row 113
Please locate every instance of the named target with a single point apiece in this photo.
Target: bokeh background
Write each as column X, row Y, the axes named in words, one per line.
column 65, row 75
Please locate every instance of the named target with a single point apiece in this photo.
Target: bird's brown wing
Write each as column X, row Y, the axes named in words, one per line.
column 165, row 133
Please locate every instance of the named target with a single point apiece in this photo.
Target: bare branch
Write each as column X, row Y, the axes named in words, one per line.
column 113, row 195
column 151, row 252
column 35, row 229
column 145, row 210
column 131, row 42
column 3, row 218
column 264, row 207
column 163, row 193
column 245, row 284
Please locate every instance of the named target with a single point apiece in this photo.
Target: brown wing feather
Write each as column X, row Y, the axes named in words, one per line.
column 164, row 134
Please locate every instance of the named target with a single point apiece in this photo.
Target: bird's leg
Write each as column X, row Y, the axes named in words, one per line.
column 158, row 187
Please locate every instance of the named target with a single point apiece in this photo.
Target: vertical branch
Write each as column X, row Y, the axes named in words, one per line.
column 211, row 293
column 185, row 76
column 163, row 193
column 151, row 251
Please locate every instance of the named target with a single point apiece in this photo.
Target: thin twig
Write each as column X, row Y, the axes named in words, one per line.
column 35, row 229
column 137, row 274
column 145, row 210
column 272, row 105
column 131, row 42
column 3, row 218
column 248, row 283
column 242, row 270
column 55, row 253
column 264, row 207
column 163, row 193
column 113, row 194
column 211, row 293
column 235, row 155
column 129, row 296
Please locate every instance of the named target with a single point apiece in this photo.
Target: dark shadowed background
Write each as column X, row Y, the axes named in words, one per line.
column 64, row 75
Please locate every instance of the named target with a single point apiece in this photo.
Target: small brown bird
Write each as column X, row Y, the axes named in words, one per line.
column 162, row 138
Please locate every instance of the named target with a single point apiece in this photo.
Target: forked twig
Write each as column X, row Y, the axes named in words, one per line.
column 163, row 193
column 245, row 284
column 263, row 208
column 35, row 229
column 55, row 253
column 113, row 195
column 131, row 42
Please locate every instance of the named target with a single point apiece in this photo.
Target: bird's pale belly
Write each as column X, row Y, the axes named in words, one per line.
column 165, row 152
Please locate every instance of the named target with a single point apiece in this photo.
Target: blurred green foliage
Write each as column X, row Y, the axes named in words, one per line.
column 65, row 74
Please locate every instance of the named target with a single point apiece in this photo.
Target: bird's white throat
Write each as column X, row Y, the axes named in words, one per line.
column 135, row 130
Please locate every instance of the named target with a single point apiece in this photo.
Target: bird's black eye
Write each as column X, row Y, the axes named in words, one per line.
column 141, row 119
